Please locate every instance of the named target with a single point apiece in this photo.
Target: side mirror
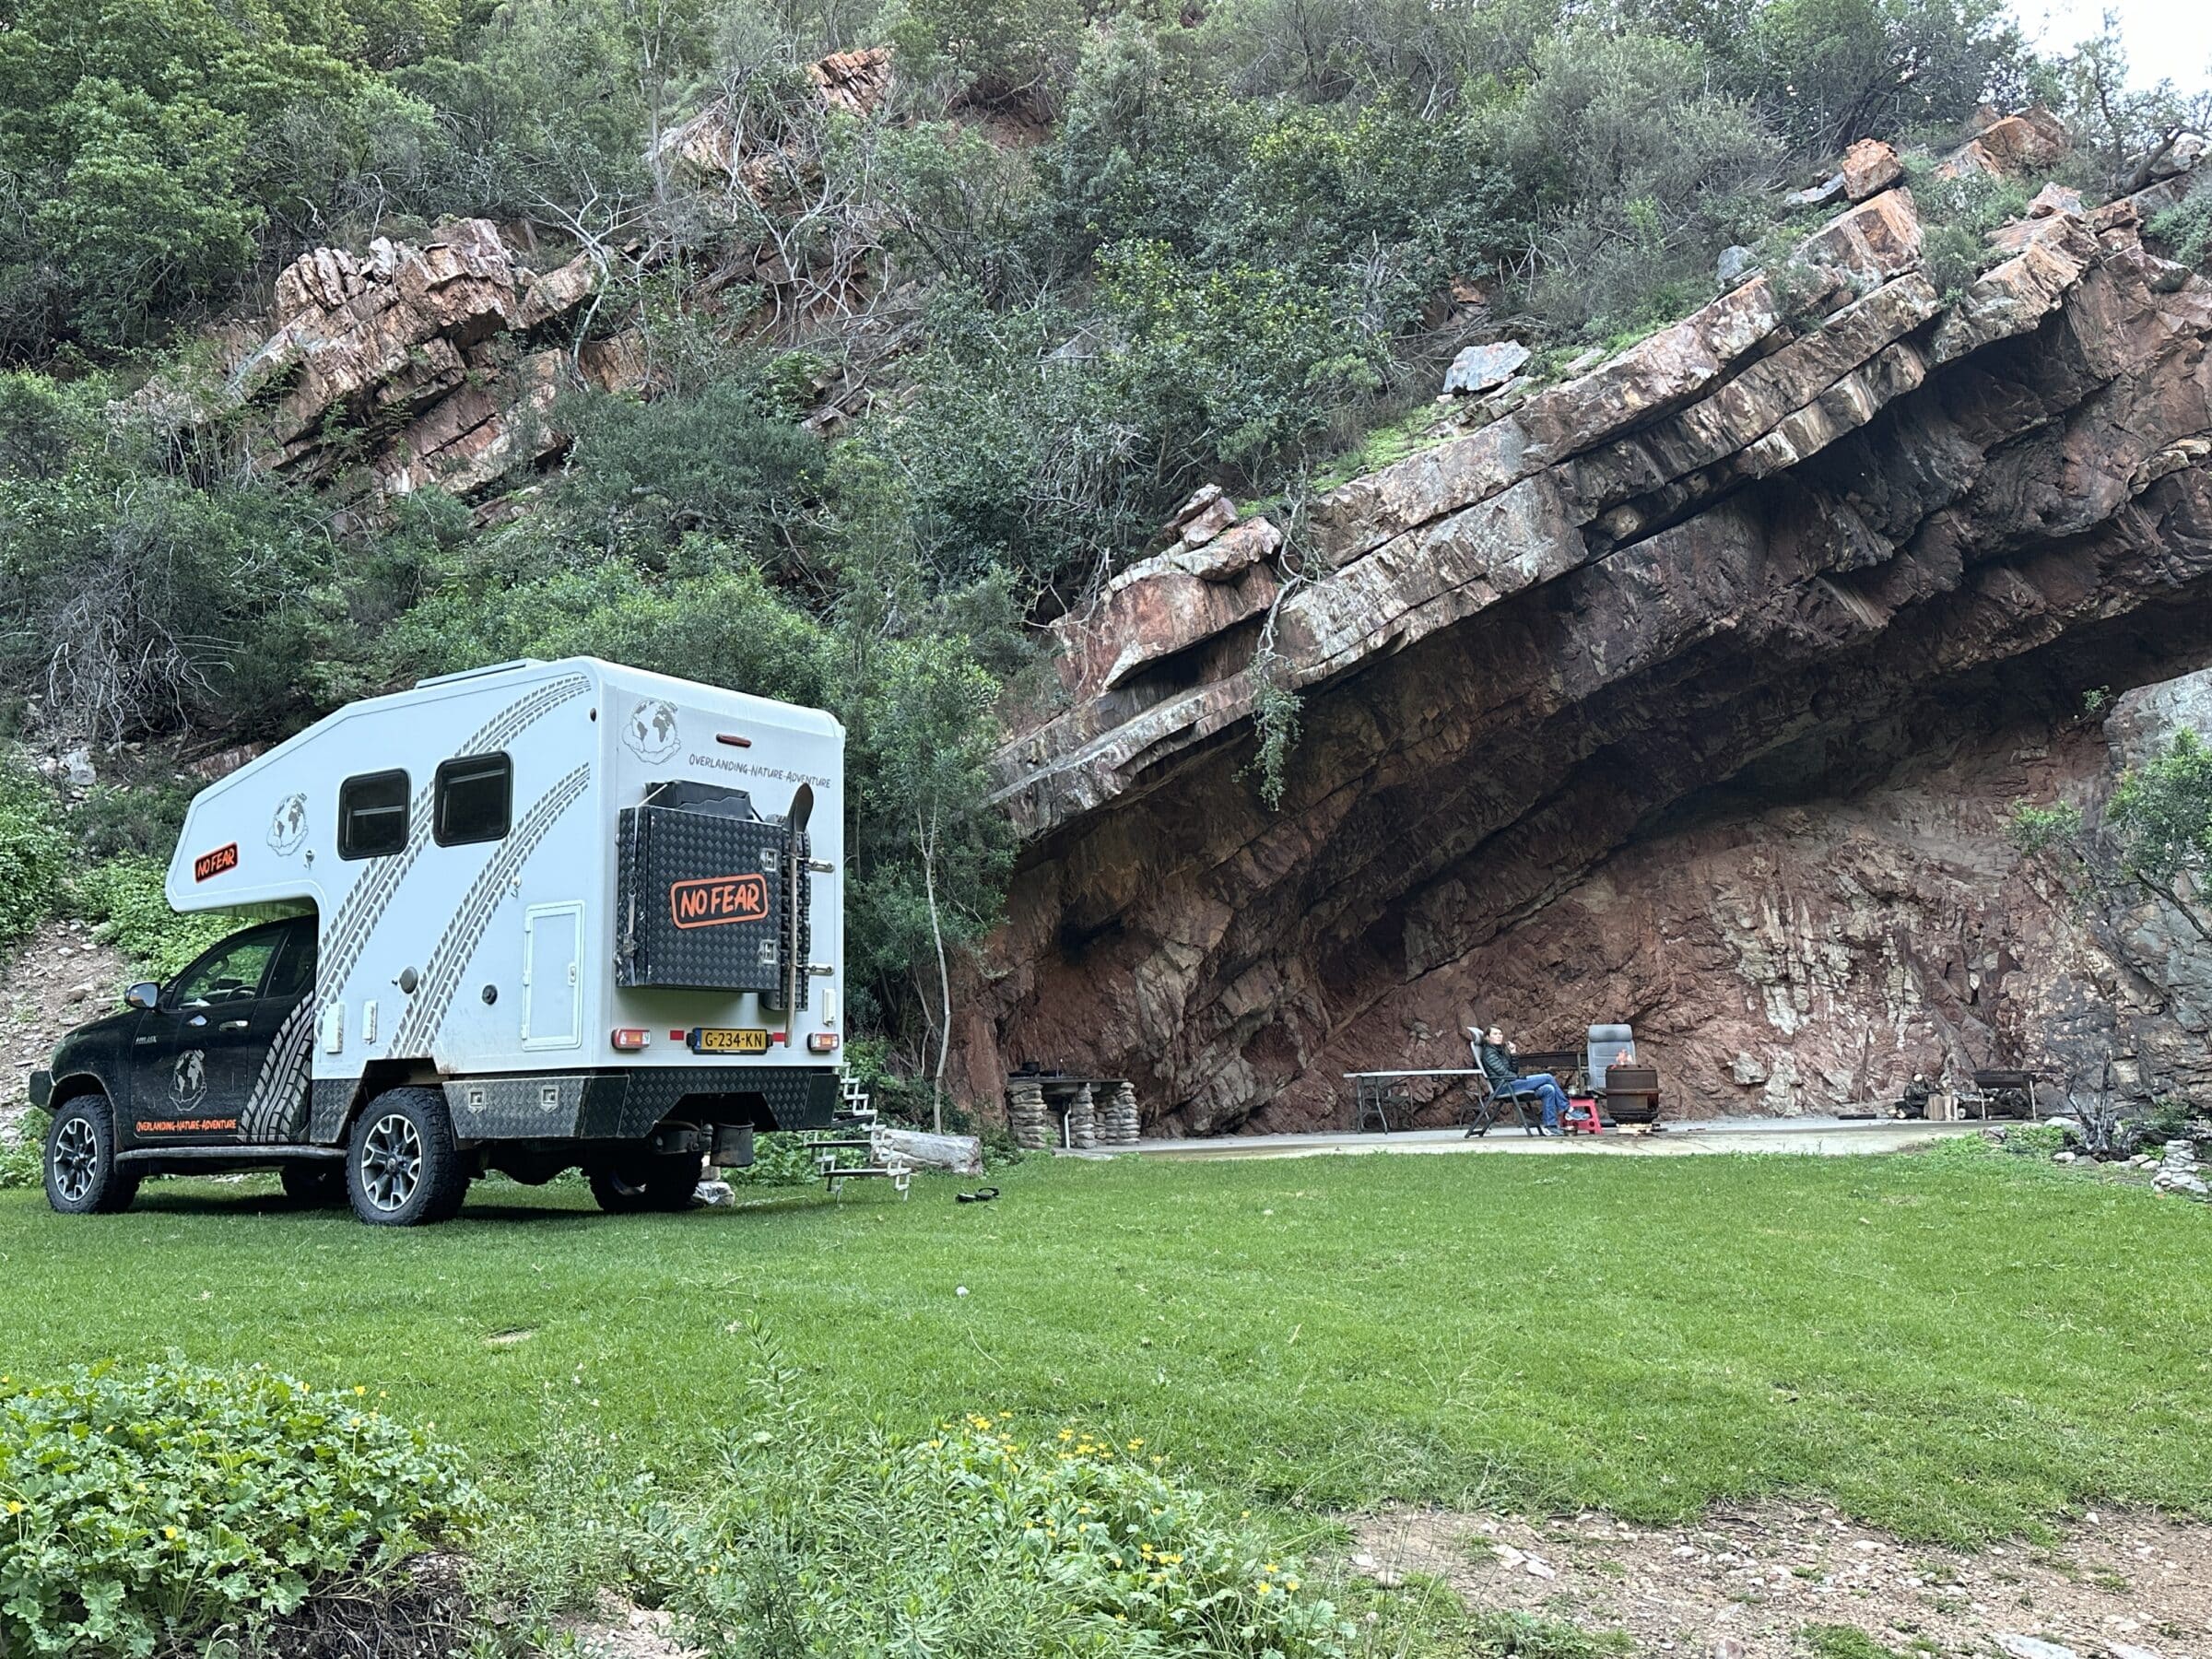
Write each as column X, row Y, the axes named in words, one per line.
column 145, row 994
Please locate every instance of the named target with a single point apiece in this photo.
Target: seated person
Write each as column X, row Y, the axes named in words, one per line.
column 1494, row 1055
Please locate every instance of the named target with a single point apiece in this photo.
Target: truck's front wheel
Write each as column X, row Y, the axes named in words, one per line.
column 82, row 1176
column 628, row 1182
column 402, row 1168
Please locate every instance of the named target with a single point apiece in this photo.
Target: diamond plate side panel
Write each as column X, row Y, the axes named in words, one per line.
column 330, row 1103
column 538, row 1107
column 668, row 850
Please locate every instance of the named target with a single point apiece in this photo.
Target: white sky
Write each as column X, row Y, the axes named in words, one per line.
column 2166, row 39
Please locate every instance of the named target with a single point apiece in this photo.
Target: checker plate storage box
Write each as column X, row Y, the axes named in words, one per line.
column 707, row 895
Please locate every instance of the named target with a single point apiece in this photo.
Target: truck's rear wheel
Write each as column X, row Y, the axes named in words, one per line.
column 317, row 1186
column 628, row 1182
column 82, row 1176
column 402, row 1168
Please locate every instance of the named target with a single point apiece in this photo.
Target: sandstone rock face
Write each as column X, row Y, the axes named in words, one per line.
column 435, row 352
column 2013, row 143
column 1694, row 692
column 441, row 364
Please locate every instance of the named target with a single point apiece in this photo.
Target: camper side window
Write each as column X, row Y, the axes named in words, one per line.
column 476, row 797
column 372, row 815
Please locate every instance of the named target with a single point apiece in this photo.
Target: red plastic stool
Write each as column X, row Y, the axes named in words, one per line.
column 1581, row 1116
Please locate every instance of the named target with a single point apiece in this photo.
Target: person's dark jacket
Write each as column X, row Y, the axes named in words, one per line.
column 1496, row 1063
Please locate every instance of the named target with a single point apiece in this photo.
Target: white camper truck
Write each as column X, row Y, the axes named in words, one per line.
column 538, row 916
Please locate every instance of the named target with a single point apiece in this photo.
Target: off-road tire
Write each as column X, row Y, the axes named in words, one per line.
column 82, row 1176
column 317, row 1186
column 630, row 1182
column 402, row 1168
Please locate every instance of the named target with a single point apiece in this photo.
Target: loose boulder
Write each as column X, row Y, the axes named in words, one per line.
column 1481, row 368
column 1870, row 167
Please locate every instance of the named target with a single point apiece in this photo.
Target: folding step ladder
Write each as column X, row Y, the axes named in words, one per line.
column 865, row 1133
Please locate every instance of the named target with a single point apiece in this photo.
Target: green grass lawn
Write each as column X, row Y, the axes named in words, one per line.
column 1953, row 1347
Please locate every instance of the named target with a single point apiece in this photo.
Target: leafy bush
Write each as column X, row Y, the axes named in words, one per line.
column 1957, row 216
column 979, row 1542
column 779, row 1161
column 2186, row 227
column 34, row 853
column 2034, row 1140
column 125, row 899
column 23, row 1152
column 146, row 1508
column 1625, row 163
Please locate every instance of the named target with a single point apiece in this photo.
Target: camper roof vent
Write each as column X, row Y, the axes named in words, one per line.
column 441, row 679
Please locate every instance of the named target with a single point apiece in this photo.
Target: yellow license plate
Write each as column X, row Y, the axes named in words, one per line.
column 729, row 1039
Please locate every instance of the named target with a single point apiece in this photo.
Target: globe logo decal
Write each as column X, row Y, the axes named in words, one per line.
column 651, row 732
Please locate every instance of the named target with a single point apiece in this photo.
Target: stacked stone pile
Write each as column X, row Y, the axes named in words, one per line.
column 1083, row 1120
column 1026, row 1113
column 2179, row 1171
column 1117, row 1118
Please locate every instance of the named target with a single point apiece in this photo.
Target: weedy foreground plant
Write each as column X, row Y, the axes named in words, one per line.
column 143, row 1508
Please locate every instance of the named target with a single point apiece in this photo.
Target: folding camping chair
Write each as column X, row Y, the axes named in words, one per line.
column 1484, row 1103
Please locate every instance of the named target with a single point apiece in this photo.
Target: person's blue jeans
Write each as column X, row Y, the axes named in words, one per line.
column 1545, row 1088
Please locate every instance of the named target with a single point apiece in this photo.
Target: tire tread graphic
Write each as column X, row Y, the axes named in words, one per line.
column 365, row 904
column 277, row 1109
column 457, row 945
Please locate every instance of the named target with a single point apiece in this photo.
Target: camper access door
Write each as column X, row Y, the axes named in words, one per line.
column 713, row 896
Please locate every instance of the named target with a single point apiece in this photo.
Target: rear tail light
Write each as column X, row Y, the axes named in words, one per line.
column 823, row 1043
column 630, row 1039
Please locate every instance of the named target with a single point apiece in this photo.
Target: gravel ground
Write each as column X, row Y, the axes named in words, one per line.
column 1744, row 1582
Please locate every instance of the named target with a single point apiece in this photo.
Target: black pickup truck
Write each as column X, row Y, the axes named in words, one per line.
column 198, row 1076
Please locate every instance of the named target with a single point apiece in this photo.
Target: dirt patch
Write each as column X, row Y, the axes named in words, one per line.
column 2118, row 1584
column 615, row 1629
column 58, row 978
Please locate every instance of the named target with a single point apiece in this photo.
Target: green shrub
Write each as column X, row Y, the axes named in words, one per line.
column 146, row 1508
column 2034, row 1140
column 125, row 897
column 23, row 1152
column 779, row 1161
column 2186, row 228
column 977, row 1542
column 34, row 853
column 1952, row 256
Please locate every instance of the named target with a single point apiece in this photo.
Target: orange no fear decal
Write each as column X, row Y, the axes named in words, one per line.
column 215, row 862
column 713, row 899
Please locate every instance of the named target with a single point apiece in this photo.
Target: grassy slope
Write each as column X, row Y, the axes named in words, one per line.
column 1954, row 1348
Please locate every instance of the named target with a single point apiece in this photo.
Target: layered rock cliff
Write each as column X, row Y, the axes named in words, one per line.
column 1693, row 691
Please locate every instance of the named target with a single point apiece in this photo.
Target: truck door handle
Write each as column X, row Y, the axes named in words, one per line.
column 197, row 1021
column 234, row 1025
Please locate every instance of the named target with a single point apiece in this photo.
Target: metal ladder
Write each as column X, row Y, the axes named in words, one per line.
column 855, row 1114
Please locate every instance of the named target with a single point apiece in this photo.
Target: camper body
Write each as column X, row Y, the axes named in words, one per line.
column 594, row 914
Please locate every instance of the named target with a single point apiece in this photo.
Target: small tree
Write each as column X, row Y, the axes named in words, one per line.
column 2155, row 836
column 928, row 727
